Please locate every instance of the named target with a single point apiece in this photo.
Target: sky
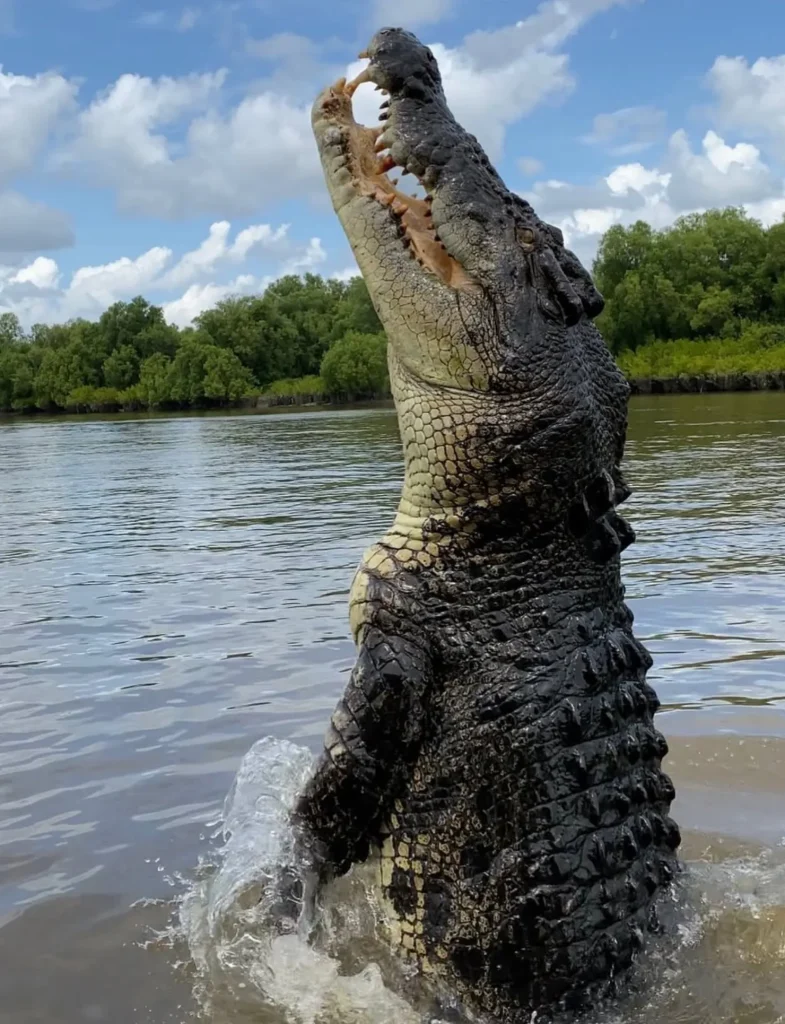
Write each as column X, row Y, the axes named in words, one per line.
column 164, row 148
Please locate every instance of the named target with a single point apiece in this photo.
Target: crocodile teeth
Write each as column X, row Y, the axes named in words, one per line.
column 385, row 165
column 352, row 87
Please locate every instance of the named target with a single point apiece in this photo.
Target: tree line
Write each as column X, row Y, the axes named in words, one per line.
column 302, row 333
column 706, row 295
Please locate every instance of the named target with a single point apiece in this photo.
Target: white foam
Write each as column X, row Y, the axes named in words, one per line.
column 248, row 963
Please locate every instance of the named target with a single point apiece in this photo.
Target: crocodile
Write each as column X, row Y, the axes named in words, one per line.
column 494, row 752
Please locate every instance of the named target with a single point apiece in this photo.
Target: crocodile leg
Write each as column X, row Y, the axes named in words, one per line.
column 372, row 740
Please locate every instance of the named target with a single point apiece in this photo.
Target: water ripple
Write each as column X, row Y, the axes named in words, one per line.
column 175, row 588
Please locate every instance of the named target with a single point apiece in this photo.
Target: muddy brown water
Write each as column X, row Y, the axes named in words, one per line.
column 173, row 590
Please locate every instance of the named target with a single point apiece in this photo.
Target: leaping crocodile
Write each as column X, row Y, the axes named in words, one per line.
column 494, row 747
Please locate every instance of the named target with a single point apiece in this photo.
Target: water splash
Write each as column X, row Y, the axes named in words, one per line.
column 722, row 962
column 252, row 963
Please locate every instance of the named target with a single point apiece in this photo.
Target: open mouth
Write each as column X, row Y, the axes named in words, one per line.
column 370, row 163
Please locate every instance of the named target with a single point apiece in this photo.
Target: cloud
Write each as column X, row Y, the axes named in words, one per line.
column 200, row 297
column 259, row 153
column 412, row 13
column 485, row 100
column 313, row 256
column 346, row 275
column 34, row 292
column 160, row 18
column 101, row 285
column 171, row 147
column 42, row 273
column 721, row 175
column 121, row 123
column 283, row 46
column 27, row 226
column 215, row 249
column 686, row 181
column 495, row 78
column 551, row 25
column 628, row 130
column 30, row 109
column 188, row 19
column 298, row 66
column 529, row 165
column 751, row 97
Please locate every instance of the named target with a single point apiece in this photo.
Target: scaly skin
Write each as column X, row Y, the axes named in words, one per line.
column 494, row 747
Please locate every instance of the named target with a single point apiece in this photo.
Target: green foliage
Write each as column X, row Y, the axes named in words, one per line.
column 311, row 388
column 10, row 329
column 225, row 377
column 356, row 366
column 16, row 377
column 153, row 386
column 703, row 277
column 744, row 354
column 62, row 370
column 121, row 368
column 90, row 399
column 285, row 333
column 706, row 295
column 130, row 358
column 138, row 325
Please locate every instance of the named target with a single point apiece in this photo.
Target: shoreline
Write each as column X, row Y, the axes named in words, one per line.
column 686, row 384
column 698, row 383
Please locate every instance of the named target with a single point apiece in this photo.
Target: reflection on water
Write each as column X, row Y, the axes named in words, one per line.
column 173, row 589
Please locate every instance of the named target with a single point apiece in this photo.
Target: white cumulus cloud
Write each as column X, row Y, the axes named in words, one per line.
column 30, row 108
column 34, row 291
column 495, row 78
column 258, row 153
column 751, row 97
column 174, row 147
column 718, row 175
column 199, row 297
column 42, row 273
column 217, row 249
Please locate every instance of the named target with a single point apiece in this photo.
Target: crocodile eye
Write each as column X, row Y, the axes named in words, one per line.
column 526, row 237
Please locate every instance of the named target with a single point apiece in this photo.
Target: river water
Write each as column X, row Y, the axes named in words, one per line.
column 173, row 607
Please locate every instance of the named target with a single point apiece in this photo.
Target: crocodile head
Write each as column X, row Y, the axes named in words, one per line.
column 488, row 315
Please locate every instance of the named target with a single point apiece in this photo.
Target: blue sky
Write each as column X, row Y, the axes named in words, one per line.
column 163, row 147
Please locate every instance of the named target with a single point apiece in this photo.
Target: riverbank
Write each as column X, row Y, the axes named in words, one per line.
column 685, row 383
column 689, row 383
